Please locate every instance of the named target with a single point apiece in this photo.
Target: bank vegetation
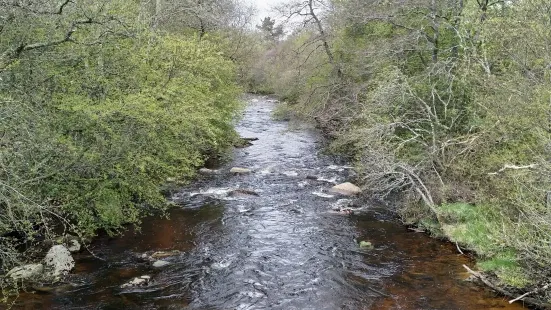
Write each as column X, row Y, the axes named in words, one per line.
column 102, row 102
column 443, row 104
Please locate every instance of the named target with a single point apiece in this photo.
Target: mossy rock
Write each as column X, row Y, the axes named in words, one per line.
column 366, row 245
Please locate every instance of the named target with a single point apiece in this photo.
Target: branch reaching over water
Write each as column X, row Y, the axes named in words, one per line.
column 504, row 292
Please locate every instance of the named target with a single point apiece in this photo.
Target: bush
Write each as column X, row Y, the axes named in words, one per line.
column 89, row 133
column 448, row 112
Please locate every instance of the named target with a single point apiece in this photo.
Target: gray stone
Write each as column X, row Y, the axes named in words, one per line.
column 73, row 246
column 138, row 281
column 239, row 170
column 346, row 189
column 160, row 263
column 240, row 192
column 59, row 261
column 26, row 272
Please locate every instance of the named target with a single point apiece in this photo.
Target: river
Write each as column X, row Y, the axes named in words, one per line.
column 278, row 243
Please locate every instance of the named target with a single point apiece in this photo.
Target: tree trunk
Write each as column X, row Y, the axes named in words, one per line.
column 324, row 41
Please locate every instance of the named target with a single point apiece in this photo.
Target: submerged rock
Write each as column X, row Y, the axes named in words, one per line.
column 366, row 245
column 244, row 142
column 163, row 254
column 346, row 189
column 137, row 282
column 56, row 288
column 59, row 261
column 160, row 263
column 239, row 170
column 26, row 272
column 208, row 171
column 242, row 193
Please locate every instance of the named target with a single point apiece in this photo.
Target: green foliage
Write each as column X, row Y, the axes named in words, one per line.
column 447, row 106
column 91, row 131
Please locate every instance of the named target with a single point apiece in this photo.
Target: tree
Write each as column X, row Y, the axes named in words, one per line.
column 442, row 103
column 309, row 12
column 272, row 32
column 201, row 16
column 98, row 110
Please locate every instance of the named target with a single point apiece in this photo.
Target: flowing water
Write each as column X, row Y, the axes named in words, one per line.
column 276, row 243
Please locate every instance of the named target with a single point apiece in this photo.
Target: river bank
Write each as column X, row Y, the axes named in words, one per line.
column 286, row 246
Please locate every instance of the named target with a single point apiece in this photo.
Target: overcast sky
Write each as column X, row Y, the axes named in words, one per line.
column 263, row 7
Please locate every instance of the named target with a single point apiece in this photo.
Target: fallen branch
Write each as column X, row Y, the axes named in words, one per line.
column 459, row 249
column 513, row 167
column 528, row 293
column 528, row 300
column 482, row 278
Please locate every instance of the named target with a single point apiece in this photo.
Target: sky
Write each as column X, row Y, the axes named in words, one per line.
column 263, row 7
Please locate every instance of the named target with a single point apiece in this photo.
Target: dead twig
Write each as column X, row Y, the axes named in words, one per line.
column 503, row 292
column 528, row 293
column 513, row 167
column 459, row 249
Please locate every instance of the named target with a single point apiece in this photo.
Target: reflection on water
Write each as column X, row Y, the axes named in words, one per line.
column 282, row 248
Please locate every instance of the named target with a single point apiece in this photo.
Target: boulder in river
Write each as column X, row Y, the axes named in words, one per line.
column 59, row 261
column 346, row 189
column 73, row 245
column 137, row 282
column 239, row 170
column 26, row 272
column 71, row 242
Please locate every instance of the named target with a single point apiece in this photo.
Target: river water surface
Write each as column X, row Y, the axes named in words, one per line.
column 283, row 248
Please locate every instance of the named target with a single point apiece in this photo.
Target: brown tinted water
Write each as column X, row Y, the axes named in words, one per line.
column 282, row 249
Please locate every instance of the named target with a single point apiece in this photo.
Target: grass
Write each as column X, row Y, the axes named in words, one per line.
column 477, row 228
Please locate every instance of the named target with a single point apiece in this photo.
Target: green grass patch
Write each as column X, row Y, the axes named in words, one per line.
column 477, row 228
column 472, row 227
column 505, row 265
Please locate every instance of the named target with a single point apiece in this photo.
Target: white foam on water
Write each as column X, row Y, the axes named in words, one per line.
column 303, row 184
column 332, row 180
column 322, row 195
column 339, row 168
column 290, row 173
